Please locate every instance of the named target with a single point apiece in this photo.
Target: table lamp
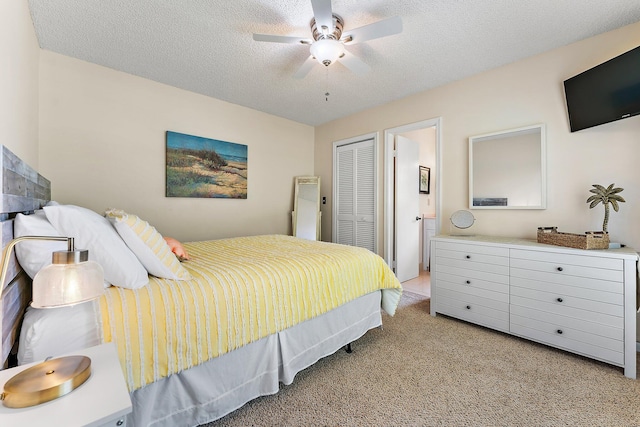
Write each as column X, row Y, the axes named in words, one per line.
column 70, row 279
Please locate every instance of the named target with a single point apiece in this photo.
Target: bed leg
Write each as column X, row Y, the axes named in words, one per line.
column 347, row 348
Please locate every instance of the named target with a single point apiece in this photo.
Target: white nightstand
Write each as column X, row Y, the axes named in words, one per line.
column 103, row 400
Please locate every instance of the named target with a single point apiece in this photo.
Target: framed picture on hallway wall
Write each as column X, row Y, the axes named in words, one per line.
column 425, row 179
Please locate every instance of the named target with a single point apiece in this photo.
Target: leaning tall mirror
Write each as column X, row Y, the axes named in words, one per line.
column 507, row 169
column 306, row 207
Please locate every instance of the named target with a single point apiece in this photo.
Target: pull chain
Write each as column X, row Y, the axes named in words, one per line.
column 326, row 94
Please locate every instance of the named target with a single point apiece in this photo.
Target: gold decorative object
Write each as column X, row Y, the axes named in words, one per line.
column 46, row 381
column 605, row 196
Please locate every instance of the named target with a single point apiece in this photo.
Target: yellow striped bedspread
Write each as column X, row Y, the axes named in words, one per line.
column 242, row 289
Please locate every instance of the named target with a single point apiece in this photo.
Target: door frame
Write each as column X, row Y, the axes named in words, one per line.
column 389, row 178
column 334, row 206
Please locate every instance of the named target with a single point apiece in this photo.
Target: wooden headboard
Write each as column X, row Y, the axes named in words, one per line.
column 23, row 190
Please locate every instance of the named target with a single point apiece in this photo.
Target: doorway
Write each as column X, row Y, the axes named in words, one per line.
column 390, row 192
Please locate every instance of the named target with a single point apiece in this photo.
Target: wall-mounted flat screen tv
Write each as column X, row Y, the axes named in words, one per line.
column 605, row 93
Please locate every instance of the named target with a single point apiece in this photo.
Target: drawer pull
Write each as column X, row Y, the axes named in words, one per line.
column 468, row 282
column 559, row 331
column 559, row 268
column 468, row 307
column 559, row 299
column 467, row 256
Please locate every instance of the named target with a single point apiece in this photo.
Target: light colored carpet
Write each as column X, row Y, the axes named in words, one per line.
column 425, row 371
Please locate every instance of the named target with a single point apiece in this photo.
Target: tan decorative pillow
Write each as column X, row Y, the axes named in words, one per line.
column 148, row 245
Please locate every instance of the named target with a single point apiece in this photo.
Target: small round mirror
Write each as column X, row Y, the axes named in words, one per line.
column 462, row 219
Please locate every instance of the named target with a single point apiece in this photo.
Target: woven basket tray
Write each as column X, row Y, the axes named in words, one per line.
column 589, row 240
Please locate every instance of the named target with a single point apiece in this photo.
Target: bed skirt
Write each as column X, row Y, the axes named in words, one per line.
column 214, row 389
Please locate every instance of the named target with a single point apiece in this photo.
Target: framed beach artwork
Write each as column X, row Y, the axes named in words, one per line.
column 205, row 168
column 425, row 179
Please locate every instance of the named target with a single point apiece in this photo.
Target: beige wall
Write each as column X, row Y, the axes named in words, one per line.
column 523, row 93
column 103, row 145
column 19, row 82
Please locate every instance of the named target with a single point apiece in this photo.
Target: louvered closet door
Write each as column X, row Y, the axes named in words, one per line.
column 355, row 198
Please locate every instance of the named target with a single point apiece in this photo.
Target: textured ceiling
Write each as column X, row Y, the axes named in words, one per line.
column 206, row 46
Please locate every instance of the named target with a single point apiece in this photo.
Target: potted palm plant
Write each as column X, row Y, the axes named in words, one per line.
column 607, row 196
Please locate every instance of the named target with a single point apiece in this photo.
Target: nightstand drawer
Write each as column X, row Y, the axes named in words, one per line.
column 120, row 422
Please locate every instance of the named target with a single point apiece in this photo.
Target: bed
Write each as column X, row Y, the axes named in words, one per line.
column 240, row 317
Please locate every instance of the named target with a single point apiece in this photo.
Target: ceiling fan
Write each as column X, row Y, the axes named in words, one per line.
column 328, row 43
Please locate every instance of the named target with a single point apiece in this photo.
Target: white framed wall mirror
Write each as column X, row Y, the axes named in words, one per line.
column 306, row 215
column 507, row 169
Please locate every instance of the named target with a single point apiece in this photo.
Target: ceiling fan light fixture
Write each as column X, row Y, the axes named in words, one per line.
column 327, row 51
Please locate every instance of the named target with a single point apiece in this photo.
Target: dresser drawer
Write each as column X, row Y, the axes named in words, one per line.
column 581, row 284
column 458, row 258
column 471, row 281
column 563, row 300
column 560, row 321
column 568, row 340
column 568, row 259
column 568, row 265
column 470, row 274
column 473, row 292
column 502, row 303
column 473, row 249
column 543, row 309
column 472, row 310
column 613, row 294
column 441, row 263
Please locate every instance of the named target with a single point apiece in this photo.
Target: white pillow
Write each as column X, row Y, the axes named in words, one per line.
column 34, row 255
column 55, row 331
column 95, row 233
column 148, row 245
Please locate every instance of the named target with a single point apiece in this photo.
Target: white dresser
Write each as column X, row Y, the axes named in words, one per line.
column 583, row 301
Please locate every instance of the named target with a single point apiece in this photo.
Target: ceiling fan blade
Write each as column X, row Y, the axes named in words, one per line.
column 354, row 63
column 280, row 39
column 305, row 68
column 386, row 27
column 323, row 14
